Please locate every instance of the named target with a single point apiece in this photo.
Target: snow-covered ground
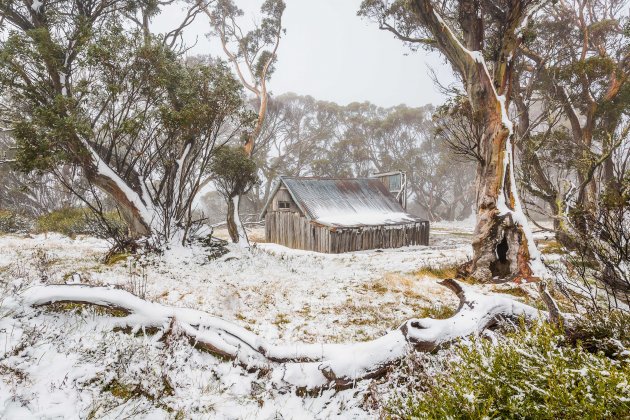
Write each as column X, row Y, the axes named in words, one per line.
column 60, row 364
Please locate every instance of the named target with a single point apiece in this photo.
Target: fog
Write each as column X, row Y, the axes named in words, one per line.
column 332, row 54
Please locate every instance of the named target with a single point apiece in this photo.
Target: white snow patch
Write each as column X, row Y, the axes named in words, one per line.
column 375, row 218
column 37, row 5
column 279, row 294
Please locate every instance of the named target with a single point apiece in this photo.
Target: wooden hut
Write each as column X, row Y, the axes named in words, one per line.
column 339, row 215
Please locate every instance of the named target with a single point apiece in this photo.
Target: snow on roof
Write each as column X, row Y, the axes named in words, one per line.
column 345, row 202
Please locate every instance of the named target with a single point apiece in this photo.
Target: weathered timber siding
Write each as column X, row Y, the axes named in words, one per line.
column 294, row 231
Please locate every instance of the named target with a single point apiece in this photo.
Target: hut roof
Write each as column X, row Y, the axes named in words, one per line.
column 344, row 202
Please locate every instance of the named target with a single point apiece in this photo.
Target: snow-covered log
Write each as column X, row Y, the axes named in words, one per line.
column 306, row 366
column 476, row 312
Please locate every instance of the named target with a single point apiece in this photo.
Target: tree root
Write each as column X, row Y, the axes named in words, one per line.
column 304, row 366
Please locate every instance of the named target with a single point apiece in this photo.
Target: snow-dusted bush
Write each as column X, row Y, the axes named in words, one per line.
column 605, row 332
column 533, row 373
column 73, row 221
column 12, row 222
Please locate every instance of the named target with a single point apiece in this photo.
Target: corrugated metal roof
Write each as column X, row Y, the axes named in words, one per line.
column 346, row 202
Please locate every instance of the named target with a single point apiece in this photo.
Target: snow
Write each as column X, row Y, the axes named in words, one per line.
column 37, row 5
column 62, row 80
column 375, row 218
column 143, row 209
column 243, row 242
column 286, row 301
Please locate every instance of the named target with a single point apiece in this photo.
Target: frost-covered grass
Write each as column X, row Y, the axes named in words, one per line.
column 276, row 292
column 61, row 361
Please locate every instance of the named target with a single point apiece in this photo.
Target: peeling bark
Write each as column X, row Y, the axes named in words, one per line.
column 500, row 222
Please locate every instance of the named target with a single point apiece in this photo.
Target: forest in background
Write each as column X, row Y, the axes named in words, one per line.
column 111, row 129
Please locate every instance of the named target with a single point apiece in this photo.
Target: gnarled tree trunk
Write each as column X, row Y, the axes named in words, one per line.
column 128, row 197
column 503, row 246
column 500, row 243
column 138, row 227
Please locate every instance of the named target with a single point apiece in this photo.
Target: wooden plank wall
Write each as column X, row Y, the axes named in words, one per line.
column 294, row 231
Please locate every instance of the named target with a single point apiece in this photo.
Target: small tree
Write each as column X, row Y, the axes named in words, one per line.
column 234, row 174
column 251, row 53
column 83, row 87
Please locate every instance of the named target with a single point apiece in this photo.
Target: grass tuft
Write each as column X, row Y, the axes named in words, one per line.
column 437, row 312
column 437, row 272
column 551, row 247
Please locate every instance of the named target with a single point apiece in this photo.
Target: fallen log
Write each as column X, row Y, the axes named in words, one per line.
column 305, row 366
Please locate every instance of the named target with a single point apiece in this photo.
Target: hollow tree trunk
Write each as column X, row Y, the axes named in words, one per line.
column 502, row 243
column 499, row 244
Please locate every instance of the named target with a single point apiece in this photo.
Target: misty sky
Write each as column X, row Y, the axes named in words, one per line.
column 332, row 54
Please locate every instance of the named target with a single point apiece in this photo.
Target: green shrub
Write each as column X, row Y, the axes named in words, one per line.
column 73, row 221
column 12, row 222
column 530, row 374
column 601, row 331
column 70, row 221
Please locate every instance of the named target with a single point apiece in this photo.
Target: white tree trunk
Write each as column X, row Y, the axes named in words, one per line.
column 243, row 241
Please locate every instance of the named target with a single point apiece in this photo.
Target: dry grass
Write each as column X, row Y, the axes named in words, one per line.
column 437, row 272
column 436, row 312
column 83, row 308
column 116, row 258
column 551, row 247
column 395, row 283
column 281, row 319
column 514, row 291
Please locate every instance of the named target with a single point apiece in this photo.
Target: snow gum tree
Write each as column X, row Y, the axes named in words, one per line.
column 234, row 173
column 251, row 53
column 91, row 86
column 572, row 93
column 479, row 39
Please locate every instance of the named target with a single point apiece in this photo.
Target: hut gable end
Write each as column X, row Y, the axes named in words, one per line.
column 282, row 201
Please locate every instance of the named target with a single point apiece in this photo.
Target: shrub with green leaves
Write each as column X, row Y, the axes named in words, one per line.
column 69, row 221
column 12, row 222
column 607, row 332
column 73, row 221
column 530, row 374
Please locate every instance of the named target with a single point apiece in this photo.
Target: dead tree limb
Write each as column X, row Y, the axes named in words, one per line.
column 305, row 366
